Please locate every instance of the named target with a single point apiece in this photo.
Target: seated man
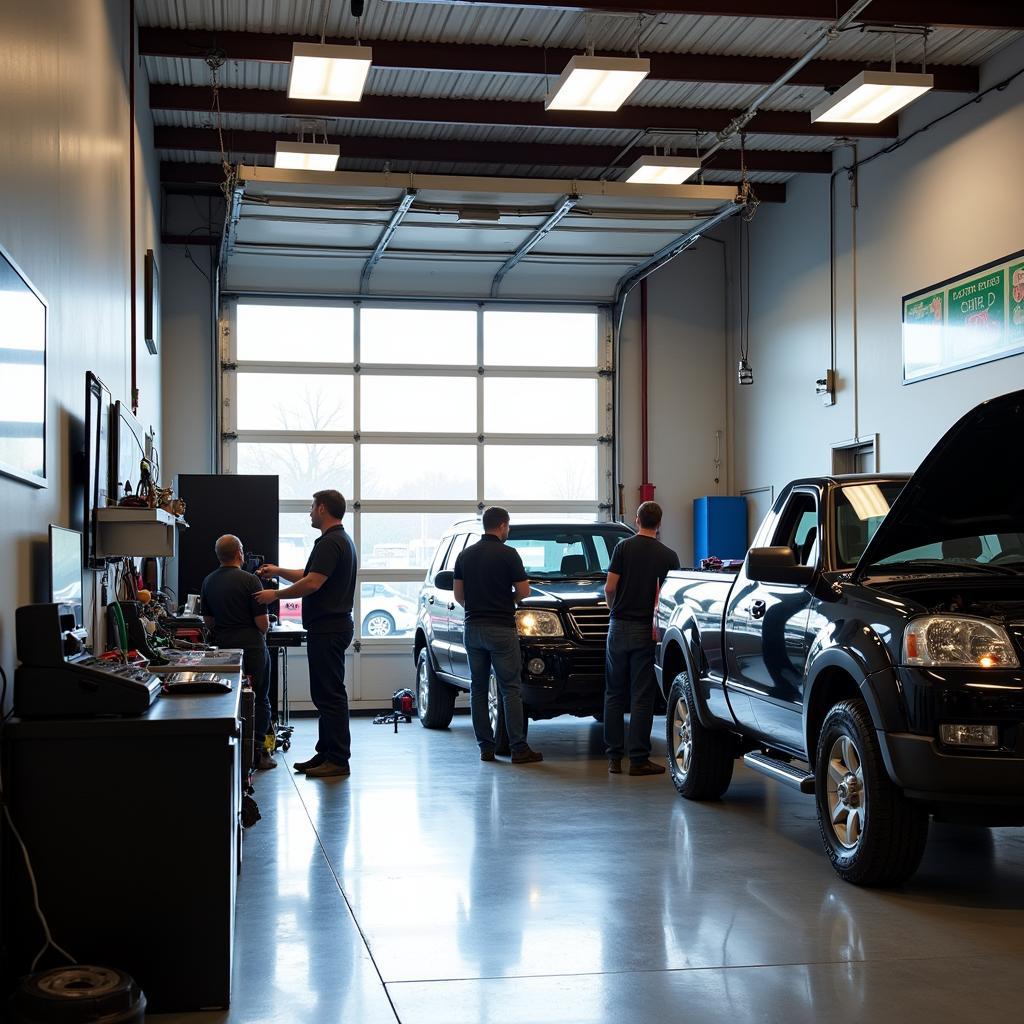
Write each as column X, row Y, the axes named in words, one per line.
column 237, row 620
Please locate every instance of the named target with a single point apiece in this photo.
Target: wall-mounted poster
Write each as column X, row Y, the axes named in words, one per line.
column 970, row 319
column 23, row 316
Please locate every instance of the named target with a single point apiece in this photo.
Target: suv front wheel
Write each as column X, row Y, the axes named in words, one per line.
column 873, row 834
column 435, row 701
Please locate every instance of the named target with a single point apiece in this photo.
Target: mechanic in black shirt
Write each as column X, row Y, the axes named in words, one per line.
column 236, row 619
column 489, row 580
column 637, row 570
column 327, row 587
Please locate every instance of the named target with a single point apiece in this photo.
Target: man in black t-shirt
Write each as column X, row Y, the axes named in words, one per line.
column 236, row 619
column 489, row 580
column 327, row 588
column 637, row 570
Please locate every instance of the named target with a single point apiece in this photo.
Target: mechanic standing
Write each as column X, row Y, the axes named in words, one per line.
column 637, row 570
column 327, row 588
column 489, row 580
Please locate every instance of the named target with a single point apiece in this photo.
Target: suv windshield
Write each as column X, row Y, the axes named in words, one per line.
column 558, row 552
column 860, row 509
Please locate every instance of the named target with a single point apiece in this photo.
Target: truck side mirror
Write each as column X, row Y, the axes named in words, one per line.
column 777, row 565
column 445, row 580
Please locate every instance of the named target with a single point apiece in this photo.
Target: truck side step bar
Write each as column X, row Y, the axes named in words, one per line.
column 781, row 771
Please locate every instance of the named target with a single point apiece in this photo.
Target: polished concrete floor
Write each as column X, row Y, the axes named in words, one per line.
column 430, row 888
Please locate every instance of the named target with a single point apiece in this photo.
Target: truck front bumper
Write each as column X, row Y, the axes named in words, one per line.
column 570, row 680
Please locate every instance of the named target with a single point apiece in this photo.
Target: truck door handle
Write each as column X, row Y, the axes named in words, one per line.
column 451, row 606
column 757, row 609
column 430, row 600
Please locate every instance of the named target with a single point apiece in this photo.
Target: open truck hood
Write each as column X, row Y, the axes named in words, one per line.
column 970, row 484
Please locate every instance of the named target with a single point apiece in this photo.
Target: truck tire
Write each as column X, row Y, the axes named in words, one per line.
column 700, row 760
column 873, row 835
column 435, row 701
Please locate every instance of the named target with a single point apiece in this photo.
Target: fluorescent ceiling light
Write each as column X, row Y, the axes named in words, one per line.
column 871, row 97
column 867, row 500
column 597, row 83
column 307, row 156
column 662, row 170
column 321, row 71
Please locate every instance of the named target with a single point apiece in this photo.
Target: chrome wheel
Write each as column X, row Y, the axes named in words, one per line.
column 682, row 733
column 423, row 687
column 493, row 702
column 378, row 625
column 847, row 799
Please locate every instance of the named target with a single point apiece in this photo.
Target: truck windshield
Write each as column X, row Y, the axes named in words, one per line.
column 1005, row 550
column 860, row 508
column 563, row 553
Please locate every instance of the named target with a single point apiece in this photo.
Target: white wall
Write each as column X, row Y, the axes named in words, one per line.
column 943, row 203
column 64, row 215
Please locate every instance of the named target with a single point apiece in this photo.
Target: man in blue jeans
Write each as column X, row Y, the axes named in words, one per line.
column 327, row 588
column 637, row 570
column 489, row 580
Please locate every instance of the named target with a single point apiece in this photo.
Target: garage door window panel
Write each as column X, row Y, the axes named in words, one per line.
column 303, row 467
column 293, row 333
column 403, row 540
column 302, row 402
column 418, row 337
column 540, row 472
column 417, row 405
column 540, row 405
column 418, row 472
column 540, row 338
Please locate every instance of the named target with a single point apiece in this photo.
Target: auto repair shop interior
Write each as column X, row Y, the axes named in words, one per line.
column 762, row 263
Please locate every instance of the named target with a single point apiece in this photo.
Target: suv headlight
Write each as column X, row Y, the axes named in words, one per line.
column 538, row 623
column 955, row 640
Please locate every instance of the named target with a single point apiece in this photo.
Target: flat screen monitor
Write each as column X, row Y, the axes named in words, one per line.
column 66, row 572
column 127, row 449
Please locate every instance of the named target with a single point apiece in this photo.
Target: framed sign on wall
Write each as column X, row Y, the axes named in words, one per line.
column 23, row 325
column 973, row 318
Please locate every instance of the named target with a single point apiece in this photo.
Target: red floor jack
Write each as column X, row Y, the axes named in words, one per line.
column 403, row 705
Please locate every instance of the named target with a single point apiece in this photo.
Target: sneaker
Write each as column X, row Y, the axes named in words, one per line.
column 264, row 762
column 527, row 756
column 486, row 755
column 646, row 768
column 614, row 765
column 327, row 770
column 313, row 762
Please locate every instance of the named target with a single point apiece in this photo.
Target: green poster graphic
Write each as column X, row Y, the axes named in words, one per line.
column 978, row 303
column 1015, row 322
column 924, row 311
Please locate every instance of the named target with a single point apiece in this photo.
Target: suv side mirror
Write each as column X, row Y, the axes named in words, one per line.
column 777, row 565
column 445, row 580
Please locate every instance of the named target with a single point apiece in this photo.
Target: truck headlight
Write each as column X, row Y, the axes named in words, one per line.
column 538, row 623
column 953, row 640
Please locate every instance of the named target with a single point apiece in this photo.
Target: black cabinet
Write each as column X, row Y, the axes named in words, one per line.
column 133, row 828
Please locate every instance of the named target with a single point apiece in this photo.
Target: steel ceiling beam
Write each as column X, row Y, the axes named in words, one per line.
column 535, row 238
column 995, row 14
column 385, row 238
column 195, row 44
column 494, row 112
column 457, row 151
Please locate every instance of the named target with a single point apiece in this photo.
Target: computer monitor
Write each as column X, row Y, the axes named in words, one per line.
column 66, row 572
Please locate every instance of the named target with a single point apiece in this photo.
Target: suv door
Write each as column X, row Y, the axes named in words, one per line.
column 434, row 608
column 457, row 620
column 766, row 629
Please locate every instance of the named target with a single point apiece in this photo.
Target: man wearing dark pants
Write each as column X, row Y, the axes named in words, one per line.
column 327, row 587
column 236, row 619
column 637, row 570
column 489, row 580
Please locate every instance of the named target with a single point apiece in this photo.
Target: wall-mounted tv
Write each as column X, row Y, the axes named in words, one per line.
column 23, row 324
column 127, row 450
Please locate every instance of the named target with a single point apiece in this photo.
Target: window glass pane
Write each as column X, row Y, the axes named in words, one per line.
column 533, row 338
column 560, row 552
column 295, row 540
column 540, row 406
column 403, row 540
column 440, row 405
column 418, row 471
column 301, row 468
column 533, row 472
column 387, row 609
column 294, row 401
column 294, row 334
column 418, row 336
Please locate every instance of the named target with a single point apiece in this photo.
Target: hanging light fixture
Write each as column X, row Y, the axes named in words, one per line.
column 872, row 96
column 307, row 156
column 323, row 71
column 662, row 170
column 597, row 83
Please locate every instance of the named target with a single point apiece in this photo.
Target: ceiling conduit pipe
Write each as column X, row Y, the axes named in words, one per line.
column 646, row 487
column 132, row 260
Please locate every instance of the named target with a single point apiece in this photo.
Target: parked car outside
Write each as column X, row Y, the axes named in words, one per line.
column 385, row 611
column 563, row 624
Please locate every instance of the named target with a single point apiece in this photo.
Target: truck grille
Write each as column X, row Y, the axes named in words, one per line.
column 590, row 621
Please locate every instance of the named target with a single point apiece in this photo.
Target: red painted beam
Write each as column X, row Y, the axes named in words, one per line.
column 489, row 112
column 456, row 151
column 532, row 60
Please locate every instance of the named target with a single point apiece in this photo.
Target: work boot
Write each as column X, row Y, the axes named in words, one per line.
column 614, row 765
column 313, row 762
column 526, row 756
column 265, row 761
column 486, row 755
column 327, row 770
column 646, row 768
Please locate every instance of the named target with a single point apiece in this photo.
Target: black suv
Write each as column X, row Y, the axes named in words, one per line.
column 563, row 624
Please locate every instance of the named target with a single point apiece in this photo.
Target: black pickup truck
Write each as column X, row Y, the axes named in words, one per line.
column 868, row 652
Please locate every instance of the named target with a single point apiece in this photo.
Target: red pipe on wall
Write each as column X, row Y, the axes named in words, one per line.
column 132, row 261
column 646, row 488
